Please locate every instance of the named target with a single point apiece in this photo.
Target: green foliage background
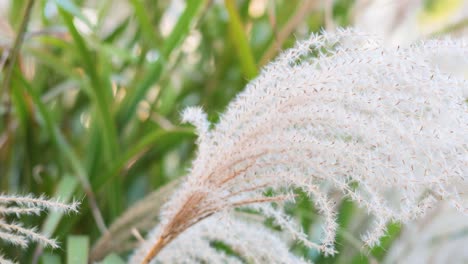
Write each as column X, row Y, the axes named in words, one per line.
column 93, row 113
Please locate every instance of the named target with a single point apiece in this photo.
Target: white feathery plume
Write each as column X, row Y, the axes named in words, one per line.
column 250, row 242
column 382, row 125
column 14, row 233
column 32, row 203
column 5, row 261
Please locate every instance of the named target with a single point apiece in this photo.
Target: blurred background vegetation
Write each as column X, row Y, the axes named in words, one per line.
column 91, row 93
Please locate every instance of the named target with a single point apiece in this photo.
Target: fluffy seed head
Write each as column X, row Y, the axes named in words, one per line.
column 14, row 232
column 382, row 125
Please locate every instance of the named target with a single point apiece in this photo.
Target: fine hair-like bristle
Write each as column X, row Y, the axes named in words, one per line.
column 14, row 232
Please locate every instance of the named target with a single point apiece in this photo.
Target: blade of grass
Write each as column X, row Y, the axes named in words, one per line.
column 99, row 95
column 7, row 124
column 50, row 259
column 153, row 74
column 16, row 48
column 55, row 133
column 77, row 249
column 137, row 216
column 393, row 232
column 295, row 20
column 15, row 12
column 112, row 259
column 64, row 193
column 141, row 146
column 65, row 190
column 117, row 32
column 65, row 149
column 377, row 253
column 239, row 38
column 145, row 22
column 54, row 63
column 345, row 214
column 73, row 9
column 20, row 104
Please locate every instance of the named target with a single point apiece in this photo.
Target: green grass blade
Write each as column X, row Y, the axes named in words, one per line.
column 238, row 37
column 73, row 9
column 77, row 249
column 149, row 141
column 50, row 259
column 100, row 95
column 180, row 31
column 112, row 259
column 54, row 132
column 377, row 253
column 19, row 103
column 345, row 215
column 117, row 32
column 145, row 22
column 65, row 190
column 393, row 232
column 54, row 63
